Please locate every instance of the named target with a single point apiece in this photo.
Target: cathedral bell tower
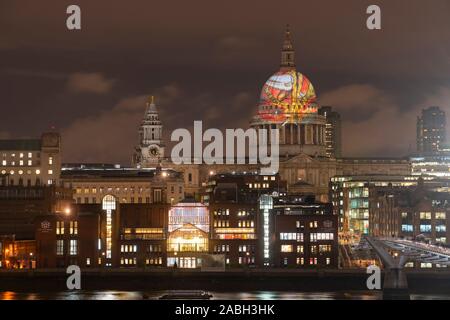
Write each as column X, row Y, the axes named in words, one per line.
column 150, row 151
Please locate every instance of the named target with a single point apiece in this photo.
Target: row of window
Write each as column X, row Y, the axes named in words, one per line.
column 424, row 228
column 128, row 248
column 321, row 236
column 291, row 236
column 246, row 224
column 95, row 190
column 19, row 163
column 21, row 155
column 258, row 185
column 94, row 200
column 427, row 215
column 21, row 182
column 289, row 248
column 244, row 213
column 155, row 261
column 301, row 261
column 246, row 248
column 222, row 212
column 21, row 172
column 221, row 223
column 73, row 247
column 73, row 227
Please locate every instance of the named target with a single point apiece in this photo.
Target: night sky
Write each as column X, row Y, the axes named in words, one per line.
column 207, row 60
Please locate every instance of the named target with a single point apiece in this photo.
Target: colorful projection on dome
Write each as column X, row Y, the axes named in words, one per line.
column 286, row 96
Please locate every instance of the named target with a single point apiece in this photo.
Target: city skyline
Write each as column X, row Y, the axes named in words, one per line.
column 212, row 70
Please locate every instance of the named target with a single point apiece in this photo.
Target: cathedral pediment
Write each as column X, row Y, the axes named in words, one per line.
column 297, row 159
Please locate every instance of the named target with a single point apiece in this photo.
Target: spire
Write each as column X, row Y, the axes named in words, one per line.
column 151, row 107
column 287, row 52
column 151, row 100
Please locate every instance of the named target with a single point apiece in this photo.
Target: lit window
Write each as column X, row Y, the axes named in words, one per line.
column 59, row 247
column 73, row 248
column 4, row 162
column 21, row 155
column 30, row 155
column 50, row 160
column 425, row 215
column 59, row 227
column 50, row 171
column 30, row 162
column 286, row 248
column 440, row 215
column 407, row 228
column 73, row 227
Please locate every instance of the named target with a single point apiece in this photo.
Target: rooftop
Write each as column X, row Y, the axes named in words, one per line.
column 20, row 144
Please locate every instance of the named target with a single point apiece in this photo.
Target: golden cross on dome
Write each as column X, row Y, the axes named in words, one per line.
column 151, row 99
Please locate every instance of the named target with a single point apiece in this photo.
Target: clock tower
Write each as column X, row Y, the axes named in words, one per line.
column 150, row 151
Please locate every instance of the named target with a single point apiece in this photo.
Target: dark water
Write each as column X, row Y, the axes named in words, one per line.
column 255, row 295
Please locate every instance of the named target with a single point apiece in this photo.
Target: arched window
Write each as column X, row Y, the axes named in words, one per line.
column 109, row 202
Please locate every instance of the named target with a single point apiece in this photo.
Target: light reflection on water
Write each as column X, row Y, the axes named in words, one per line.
column 255, row 295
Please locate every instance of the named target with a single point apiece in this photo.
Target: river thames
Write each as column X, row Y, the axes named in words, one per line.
column 251, row 295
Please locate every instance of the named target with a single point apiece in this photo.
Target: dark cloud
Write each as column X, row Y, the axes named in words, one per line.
column 207, row 60
column 93, row 82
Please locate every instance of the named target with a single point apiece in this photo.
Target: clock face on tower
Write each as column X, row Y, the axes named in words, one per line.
column 153, row 151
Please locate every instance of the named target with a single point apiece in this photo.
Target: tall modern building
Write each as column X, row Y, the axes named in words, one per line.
column 431, row 130
column 333, row 133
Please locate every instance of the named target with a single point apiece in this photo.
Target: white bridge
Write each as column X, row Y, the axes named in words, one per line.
column 395, row 282
column 417, row 251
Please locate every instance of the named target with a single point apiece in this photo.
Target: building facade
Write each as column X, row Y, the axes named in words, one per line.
column 414, row 213
column 20, row 205
column 304, row 233
column 31, row 162
column 90, row 183
column 236, row 227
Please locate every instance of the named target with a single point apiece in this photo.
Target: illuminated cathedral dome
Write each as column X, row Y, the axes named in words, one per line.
column 288, row 103
column 288, row 91
column 288, row 94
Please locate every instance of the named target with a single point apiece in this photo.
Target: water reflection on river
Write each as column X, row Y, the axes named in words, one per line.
column 255, row 295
